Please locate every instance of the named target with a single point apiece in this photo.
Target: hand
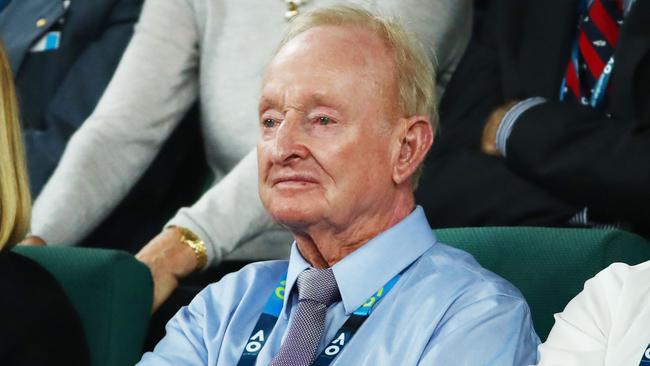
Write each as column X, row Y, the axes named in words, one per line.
column 489, row 137
column 169, row 260
column 33, row 240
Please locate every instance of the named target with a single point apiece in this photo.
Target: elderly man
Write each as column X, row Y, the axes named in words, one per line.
column 346, row 115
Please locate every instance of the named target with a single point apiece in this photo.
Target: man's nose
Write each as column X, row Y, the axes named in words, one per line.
column 290, row 141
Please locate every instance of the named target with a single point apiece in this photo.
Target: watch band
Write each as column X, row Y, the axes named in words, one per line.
column 193, row 241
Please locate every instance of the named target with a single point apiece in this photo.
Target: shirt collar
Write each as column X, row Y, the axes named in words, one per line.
column 297, row 264
column 361, row 273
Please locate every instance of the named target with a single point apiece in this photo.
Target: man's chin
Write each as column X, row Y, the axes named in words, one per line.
column 294, row 217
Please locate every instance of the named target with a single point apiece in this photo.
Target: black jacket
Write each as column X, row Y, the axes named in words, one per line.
column 561, row 157
column 59, row 88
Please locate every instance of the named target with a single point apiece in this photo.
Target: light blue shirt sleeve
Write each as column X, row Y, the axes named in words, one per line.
column 183, row 345
column 496, row 330
column 510, row 118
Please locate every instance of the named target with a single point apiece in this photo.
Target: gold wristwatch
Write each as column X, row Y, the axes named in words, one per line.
column 193, row 241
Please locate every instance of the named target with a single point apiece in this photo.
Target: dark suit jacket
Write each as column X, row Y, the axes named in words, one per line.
column 560, row 156
column 39, row 325
column 59, row 89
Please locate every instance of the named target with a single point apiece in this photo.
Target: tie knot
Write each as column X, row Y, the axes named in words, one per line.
column 318, row 285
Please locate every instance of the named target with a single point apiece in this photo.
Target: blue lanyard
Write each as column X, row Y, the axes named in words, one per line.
column 271, row 313
column 600, row 89
column 645, row 360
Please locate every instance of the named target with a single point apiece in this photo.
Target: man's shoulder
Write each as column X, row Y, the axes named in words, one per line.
column 462, row 274
column 621, row 281
column 622, row 272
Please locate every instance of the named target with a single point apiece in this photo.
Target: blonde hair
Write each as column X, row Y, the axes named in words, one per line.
column 15, row 199
column 415, row 75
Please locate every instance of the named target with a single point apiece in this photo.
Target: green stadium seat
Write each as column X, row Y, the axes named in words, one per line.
column 548, row 265
column 112, row 293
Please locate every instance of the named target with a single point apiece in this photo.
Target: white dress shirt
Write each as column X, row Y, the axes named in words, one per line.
column 608, row 323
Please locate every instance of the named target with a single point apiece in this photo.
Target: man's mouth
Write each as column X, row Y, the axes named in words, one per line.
column 293, row 180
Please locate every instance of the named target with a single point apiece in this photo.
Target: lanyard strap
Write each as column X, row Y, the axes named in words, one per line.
column 271, row 313
column 264, row 325
column 600, row 88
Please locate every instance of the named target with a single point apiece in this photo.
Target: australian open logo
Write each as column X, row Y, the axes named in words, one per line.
column 279, row 291
column 256, row 342
column 336, row 345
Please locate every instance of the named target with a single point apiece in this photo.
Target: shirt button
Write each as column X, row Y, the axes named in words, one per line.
column 41, row 22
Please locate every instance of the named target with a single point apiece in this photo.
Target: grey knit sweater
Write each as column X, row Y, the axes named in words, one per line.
column 214, row 50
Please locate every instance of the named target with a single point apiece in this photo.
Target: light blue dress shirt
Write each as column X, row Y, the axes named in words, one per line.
column 444, row 310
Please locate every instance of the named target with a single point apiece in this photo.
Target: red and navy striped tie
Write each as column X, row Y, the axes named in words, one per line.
column 597, row 38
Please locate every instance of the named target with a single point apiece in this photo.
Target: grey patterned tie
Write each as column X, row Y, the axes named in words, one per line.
column 317, row 290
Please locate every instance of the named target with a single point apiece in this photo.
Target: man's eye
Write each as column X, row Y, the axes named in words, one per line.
column 324, row 121
column 269, row 123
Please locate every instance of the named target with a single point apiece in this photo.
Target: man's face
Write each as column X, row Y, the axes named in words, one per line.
column 327, row 113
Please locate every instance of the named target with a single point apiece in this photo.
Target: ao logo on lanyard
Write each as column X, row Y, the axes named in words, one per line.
column 271, row 312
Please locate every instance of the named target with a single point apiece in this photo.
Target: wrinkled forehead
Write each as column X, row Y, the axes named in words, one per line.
column 335, row 61
column 338, row 48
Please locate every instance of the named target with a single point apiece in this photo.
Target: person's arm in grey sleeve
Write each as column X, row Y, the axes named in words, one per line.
column 228, row 214
column 443, row 27
column 154, row 85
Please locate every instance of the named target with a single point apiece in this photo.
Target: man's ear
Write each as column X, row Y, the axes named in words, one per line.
column 416, row 137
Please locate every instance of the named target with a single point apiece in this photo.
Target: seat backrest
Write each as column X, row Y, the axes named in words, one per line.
column 112, row 293
column 548, row 265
